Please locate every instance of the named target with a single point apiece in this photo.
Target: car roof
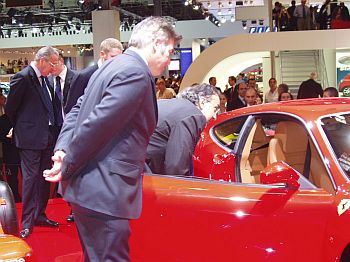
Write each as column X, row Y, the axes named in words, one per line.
column 308, row 109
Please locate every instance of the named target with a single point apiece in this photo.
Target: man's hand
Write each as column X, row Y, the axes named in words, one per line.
column 9, row 134
column 54, row 174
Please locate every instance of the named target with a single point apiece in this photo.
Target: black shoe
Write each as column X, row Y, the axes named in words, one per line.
column 70, row 217
column 46, row 223
column 25, row 233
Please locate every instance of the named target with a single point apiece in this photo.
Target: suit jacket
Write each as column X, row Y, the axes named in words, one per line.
column 77, row 86
column 10, row 152
column 67, row 84
column 179, row 126
column 310, row 89
column 237, row 103
column 105, row 137
column 28, row 110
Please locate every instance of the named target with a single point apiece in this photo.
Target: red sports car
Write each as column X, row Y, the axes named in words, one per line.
column 271, row 184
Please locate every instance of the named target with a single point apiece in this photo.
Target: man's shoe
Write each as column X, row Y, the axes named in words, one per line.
column 70, row 217
column 46, row 223
column 25, row 233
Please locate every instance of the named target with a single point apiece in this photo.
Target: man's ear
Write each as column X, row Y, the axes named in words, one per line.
column 103, row 55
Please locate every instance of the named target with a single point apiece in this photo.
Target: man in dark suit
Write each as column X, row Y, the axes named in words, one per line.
column 30, row 109
column 60, row 80
column 11, row 157
column 310, row 88
column 231, row 93
column 101, row 150
column 109, row 48
column 180, row 123
column 239, row 101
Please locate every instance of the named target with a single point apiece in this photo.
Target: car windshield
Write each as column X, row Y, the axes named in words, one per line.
column 337, row 129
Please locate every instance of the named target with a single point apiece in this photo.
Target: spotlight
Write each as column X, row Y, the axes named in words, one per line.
column 223, row 20
column 209, row 4
column 244, row 24
column 261, row 22
column 232, row 19
column 229, row 3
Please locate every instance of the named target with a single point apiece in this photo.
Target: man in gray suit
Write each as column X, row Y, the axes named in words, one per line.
column 180, row 123
column 100, row 153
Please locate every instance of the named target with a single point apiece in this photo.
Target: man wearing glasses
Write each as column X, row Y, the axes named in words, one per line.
column 180, row 123
column 61, row 79
column 30, row 109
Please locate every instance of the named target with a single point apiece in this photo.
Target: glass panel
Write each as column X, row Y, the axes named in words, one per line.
column 337, row 129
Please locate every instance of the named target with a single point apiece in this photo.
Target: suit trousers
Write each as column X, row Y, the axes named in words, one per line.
column 102, row 237
column 35, row 190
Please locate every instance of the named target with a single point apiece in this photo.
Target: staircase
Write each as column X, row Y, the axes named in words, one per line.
column 296, row 67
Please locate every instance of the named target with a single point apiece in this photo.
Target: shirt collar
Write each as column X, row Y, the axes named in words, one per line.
column 36, row 70
column 63, row 74
column 134, row 49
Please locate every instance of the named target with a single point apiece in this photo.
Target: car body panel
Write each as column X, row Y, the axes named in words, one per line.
column 212, row 221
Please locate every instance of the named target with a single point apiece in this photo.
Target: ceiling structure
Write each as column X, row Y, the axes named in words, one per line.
column 57, row 16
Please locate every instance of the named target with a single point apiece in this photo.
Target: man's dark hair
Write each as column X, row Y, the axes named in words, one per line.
column 232, row 78
column 333, row 92
column 199, row 91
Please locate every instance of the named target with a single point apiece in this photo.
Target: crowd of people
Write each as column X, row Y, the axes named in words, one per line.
column 330, row 15
column 243, row 91
column 13, row 66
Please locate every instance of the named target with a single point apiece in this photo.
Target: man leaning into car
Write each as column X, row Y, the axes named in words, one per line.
column 180, row 123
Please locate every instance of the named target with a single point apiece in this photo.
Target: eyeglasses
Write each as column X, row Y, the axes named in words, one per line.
column 54, row 65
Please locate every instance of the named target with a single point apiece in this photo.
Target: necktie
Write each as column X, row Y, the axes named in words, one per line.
column 48, row 100
column 58, row 102
column 304, row 11
column 58, row 90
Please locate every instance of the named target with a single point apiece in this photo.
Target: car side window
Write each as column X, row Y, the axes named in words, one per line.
column 283, row 139
column 228, row 132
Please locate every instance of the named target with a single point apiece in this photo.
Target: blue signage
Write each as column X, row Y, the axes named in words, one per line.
column 185, row 59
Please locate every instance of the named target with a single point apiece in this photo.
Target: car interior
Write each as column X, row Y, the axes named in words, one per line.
column 275, row 138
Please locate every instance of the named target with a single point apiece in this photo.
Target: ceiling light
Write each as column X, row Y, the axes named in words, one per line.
column 223, row 20
column 219, row 12
column 232, row 19
column 229, row 11
column 209, row 4
column 229, row 3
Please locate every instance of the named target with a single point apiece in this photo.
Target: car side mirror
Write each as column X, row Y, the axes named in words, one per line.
column 280, row 173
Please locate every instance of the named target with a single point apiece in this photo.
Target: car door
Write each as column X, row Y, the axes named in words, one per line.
column 214, row 156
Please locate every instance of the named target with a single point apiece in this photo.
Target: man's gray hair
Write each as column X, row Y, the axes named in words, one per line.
column 196, row 92
column 110, row 43
column 152, row 28
column 45, row 52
